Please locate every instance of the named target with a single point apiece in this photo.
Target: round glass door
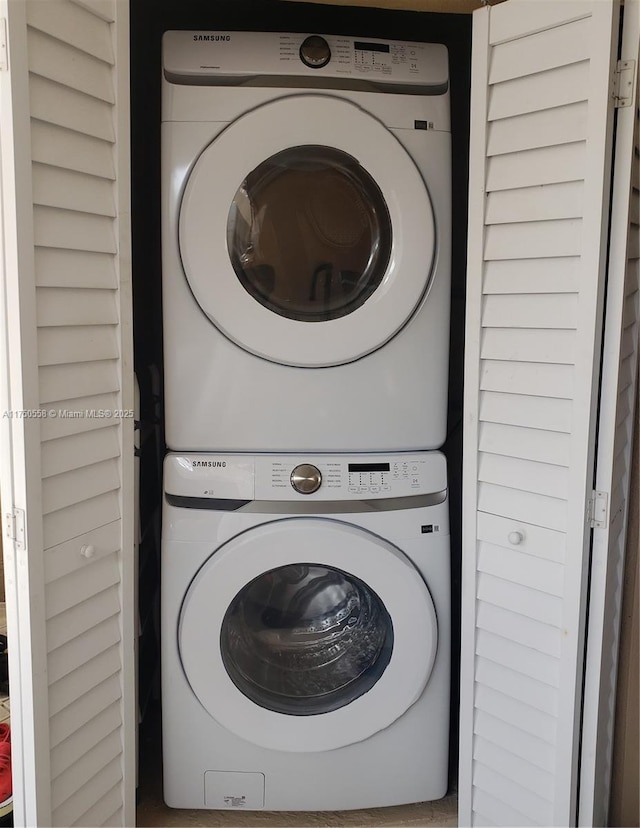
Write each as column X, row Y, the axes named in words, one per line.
column 306, row 232
column 307, row 634
column 305, row 639
column 309, row 234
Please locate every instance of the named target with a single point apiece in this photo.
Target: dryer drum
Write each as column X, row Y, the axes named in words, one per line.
column 309, row 234
column 306, row 639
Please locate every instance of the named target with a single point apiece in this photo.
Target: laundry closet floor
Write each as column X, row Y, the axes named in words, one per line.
column 153, row 812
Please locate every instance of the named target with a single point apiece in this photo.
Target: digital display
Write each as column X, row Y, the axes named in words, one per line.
column 368, row 467
column 371, row 47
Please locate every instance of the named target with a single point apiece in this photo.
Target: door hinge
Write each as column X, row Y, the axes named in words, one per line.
column 625, row 81
column 14, row 527
column 598, row 511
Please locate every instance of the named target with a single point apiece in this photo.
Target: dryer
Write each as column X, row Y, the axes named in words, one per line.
column 306, row 232
column 305, row 631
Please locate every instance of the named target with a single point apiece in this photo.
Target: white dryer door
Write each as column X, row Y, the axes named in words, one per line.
column 306, row 232
column 307, row 634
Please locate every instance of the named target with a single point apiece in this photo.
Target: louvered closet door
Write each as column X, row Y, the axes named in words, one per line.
column 64, row 108
column 615, row 441
column 539, row 188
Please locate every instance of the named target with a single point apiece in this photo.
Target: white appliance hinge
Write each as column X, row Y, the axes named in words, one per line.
column 625, row 81
column 4, row 54
column 14, row 527
column 599, row 510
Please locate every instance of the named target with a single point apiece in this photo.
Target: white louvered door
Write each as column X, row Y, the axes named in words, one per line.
column 541, row 136
column 67, row 466
column 615, row 441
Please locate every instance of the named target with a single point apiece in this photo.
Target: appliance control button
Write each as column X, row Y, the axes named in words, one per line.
column 315, row 52
column 306, row 479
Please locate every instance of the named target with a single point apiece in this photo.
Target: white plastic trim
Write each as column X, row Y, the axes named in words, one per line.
column 297, row 121
column 377, row 563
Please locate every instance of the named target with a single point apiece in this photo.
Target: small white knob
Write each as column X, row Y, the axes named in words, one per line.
column 516, row 538
column 88, row 551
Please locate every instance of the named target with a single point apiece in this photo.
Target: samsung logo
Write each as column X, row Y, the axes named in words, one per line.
column 216, row 38
column 209, row 464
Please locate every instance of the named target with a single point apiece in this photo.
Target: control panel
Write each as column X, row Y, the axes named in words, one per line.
column 199, row 54
column 299, row 477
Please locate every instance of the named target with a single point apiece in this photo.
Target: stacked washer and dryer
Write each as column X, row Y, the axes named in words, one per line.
column 305, row 542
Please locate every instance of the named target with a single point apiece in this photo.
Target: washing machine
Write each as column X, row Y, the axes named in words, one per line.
column 305, row 630
column 306, row 242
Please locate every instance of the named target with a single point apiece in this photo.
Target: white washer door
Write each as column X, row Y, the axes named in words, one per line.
column 306, row 232
column 307, row 634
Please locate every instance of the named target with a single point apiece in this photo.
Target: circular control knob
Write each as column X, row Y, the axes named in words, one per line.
column 315, row 52
column 306, row 478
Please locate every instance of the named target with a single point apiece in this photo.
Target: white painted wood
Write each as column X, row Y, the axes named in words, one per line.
column 539, row 543
column 528, row 475
column 104, row 9
column 533, row 16
column 542, row 637
column 20, row 467
column 74, row 25
column 76, row 306
column 65, row 559
column 63, row 382
column 531, row 311
column 85, row 483
column 55, row 187
column 615, row 441
column 539, row 92
column 546, row 127
column 61, row 426
column 66, row 306
column 67, row 622
column 536, row 167
column 536, row 379
column 532, row 276
column 99, row 727
column 60, row 344
column 72, row 150
column 94, row 702
column 54, row 227
column 528, row 444
column 68, row 66
column 521, row 342
column 521, row 410
column 556, row 201
column 541, row 127
column 526, row 240
column 83, row 517
column 514, row 796
column 70, row 694
column 525, row 507
column 548, row 49
column 522, row 744
column 65, row 107
column 83, row 449
column 534, row 779
column 527, row 602
column 65, row 268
